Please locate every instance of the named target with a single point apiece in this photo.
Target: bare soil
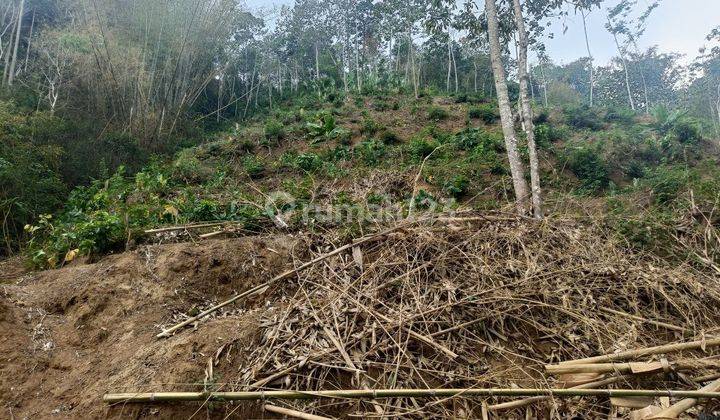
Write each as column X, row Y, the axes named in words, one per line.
column 68, row 336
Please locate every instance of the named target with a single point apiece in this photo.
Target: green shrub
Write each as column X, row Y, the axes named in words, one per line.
column 457, row 186
column 323, row 124
column 308, row 162
column 687, row 131
column 620, row 116
column 435, row 113
column 547, row 134
column 666, row 182
column 370, row 126
column 342, row 135
column 420, row 148
column 274, row 130
column 487, row 113
column 189, row 168
column 371, row 151
column 581, row 117
column 253, row 167
column 587, row 164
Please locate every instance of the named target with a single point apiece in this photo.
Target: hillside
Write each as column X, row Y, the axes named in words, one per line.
column 460, row 273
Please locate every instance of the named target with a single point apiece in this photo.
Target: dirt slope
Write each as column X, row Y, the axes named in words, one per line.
column 68, row 336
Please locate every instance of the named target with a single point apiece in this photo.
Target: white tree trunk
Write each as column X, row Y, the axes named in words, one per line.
column 590, row 56
column 516, row 166
column 624, row 63
column 527, row 112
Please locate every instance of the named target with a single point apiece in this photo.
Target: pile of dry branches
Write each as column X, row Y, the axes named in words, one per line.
column 477, row 302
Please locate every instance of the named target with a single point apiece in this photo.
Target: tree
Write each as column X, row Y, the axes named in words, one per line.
column 517, row 169
column 526, row 107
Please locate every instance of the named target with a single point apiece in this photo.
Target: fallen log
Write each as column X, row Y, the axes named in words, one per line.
column 630, row 354
column 149, row 397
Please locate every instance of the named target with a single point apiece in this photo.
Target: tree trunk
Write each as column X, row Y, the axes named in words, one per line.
column 545, row 84
column 13, row 62
column 449, row 72
column 6, row 66
column 475, row 76
column 590, row 56
column 317, row 63
column 624, row 63
column 527, row 112
column 452, row 54
column 516, row 166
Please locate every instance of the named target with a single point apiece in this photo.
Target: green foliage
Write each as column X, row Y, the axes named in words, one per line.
column 487, row 113
column 323, row 124
column 457, row 186
column 189, row 168
column 274, row 130
column 436, row 113
column 666, row 183
column 620, row 115
column 308, row 162
column 254, row 168
column 587, row 164
column 547, row 134
column 371, row 152
column 30, row 179
column 582, row 117
column 419, row 148
column 370, row 126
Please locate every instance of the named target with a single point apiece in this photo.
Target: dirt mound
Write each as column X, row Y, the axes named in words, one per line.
column 72, row 334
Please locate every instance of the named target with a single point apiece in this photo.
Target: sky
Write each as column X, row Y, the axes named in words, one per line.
column 676, row 26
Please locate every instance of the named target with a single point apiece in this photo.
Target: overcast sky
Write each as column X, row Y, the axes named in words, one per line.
column 676, row 26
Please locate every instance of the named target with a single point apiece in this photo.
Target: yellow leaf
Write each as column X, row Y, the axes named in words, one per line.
column 71, row 255
column 171, row 210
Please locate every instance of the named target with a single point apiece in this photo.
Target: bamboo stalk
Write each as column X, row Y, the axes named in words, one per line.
column 629, row 367
column 666, row 348
column 168, row 332
column 527, row 401
column 649, row 321
column 707, row 378
column 292, row 413
column 149, row 397
column 184, row 227
column 675, row 410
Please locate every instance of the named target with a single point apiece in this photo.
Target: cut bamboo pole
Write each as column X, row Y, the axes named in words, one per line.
column 527, row 401
column 168, row 332
column 292, row 413
column 149, row 397
column 675, row 410
column 666, row 348
column 630, row 367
